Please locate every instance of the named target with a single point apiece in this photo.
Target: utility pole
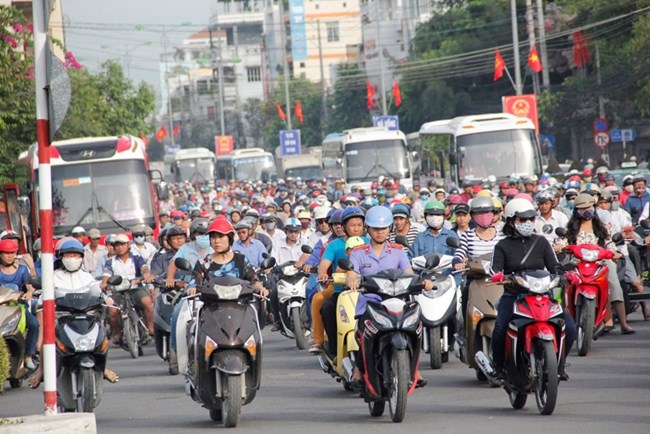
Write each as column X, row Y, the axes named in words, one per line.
column 285, row 63
column 323, row 96
column 515, row 46
column 531, row 40
column 222, row 99
column 601, row 100
column 170, row 114
column 546, row 81
column 381, row 61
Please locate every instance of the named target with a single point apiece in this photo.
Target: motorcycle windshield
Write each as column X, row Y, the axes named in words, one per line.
column 77, row 301
column 224, row 288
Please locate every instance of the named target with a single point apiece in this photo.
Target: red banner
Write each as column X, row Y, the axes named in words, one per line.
column 223, row 145
column 524, row 106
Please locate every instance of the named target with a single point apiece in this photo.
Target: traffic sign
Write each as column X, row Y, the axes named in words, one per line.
column 601, row 139
column 290, row 142
column 390, row 121
column 600, row 125
column 618, row 136
column 548, row 142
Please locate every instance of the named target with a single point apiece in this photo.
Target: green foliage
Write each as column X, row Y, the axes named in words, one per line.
column 4, row 364
column 348, row 102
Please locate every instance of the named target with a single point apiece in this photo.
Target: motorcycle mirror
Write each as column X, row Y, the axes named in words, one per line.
column 306, row 248
column 560, row 232
column 453, row 242
column 265, row 255
column 547, row 229
column 487, row 267
column 645, row 224
column 115, row 280
column 345, row 264
column 35, row 282
column 432, row 260
column 401, row 239
column 183, row 264
column 268, row 263
column 569, row 266
column 618, row 239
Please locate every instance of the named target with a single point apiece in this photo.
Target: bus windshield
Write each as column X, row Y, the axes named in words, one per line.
column 253, row 167
column 368, row 160
column 498, row 153
column 111, row 196
column 195, row 169
column 306, row 172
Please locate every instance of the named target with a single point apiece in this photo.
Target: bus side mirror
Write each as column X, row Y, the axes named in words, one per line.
column 415, row 155
column 162, row 191
column 23, row 205
column 339, row 162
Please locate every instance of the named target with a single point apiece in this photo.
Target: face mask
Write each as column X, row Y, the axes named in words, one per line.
column 304, row 225
column 424, row 198
column 586, row 214
column 639, row 191
column 525, row 229
column 71, row 264
column 629, row 188
column 435, row 221
column 615, row 206
column 138, row 240
column 483, row 220
column 270, row 226
column 203, row 241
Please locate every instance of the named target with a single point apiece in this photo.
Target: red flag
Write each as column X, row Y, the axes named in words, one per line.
column 581, row 54
column 370, row 95
column 161, row 133
column 144, row 139
column 499, row 65
column 533, row 60
column 298, row 111
column 281, row 114
column 396, row 94
column 177, row 129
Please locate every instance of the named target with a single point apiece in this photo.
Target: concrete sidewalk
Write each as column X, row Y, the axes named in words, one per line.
column 78, row 423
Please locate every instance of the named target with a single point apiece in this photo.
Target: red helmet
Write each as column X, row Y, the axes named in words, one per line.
column 8, row 246
column 221, row 225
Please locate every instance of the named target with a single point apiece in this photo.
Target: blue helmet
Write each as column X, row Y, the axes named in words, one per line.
column 292, row 224
column 351, row 212
column 379, row 217
column 71, row 246
column 335, row 218
column 401, row 210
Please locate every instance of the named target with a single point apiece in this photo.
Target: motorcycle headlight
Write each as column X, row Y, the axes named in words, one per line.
column 11, row 324
column 284, row 288
column 289, row 270
column 393, row 289
column 83, row 343
column 589, row 255
column 379, row 318
column 228, row 292
column 539, row 285
column 412, row 319
column 440, row 288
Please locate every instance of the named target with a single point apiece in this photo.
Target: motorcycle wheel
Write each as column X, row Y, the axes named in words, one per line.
column 130, row 336
column 16, row 383
column 298, row 328
column 399, row 383
column 86, row 392
column 215, row 414
column 231, row 404
column 376, row 408
column 545, row 377
column 517, row 399
column 435, row 350
column 585, row 322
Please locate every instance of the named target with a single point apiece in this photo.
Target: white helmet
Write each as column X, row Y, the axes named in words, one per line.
column 519, row 207
column 321, row 212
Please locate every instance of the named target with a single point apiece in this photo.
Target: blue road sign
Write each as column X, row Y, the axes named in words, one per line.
column 627, row 135
column 600, row 125
column 290, row 142
column 391, row 122
column 547, row 141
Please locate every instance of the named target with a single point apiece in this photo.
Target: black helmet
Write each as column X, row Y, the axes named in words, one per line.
column 199, row 226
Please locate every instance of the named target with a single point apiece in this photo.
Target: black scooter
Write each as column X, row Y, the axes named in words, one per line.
column 224, row 345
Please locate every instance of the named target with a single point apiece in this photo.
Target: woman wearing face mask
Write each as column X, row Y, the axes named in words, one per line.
column 521, row 250
column 478, row 241
column 141, row 246
column 586, row 228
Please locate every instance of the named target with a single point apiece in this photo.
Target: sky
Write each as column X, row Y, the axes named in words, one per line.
column 96, row 31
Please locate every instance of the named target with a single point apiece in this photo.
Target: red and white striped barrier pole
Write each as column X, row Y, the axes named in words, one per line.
column 48, row 351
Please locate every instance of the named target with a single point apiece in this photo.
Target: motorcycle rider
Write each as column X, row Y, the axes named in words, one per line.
column 269, row 223
column 548, row 216
column 16, row 276
column 434, row 239
column 322, row 227
column 522, row 250
column 253, row 249
column 402, row 225
column 70, row 277
column 140, row 245
column 130, row 267
column 637, row 202
column 175, row 238
column 197, row 247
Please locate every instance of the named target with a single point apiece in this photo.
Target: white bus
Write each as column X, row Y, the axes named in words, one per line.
column 362, row 155
column 478, row 146
column 193, row 164
column 246, row 164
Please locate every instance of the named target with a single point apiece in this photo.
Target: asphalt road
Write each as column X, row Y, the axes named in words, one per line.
column 607, row 393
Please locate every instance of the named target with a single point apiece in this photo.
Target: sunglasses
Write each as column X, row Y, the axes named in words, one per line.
column 138, row 234
column 321, row 221
column 526, row 219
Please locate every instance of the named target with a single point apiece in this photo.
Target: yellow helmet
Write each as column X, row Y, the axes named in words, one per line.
column 484, row 193
column 353, row 242
column 497, row 203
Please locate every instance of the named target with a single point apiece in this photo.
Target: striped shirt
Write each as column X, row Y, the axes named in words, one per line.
column 471, row 246
column 411, row 235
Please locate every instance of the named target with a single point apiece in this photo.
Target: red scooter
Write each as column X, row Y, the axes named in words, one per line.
column 586, row 293
column 535, row 343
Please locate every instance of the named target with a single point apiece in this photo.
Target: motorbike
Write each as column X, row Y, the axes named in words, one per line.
column 586, row 293
column 535, row 343
column 389, row 334
column 439, row 307
column 292, row 296
column 163, row 308
column 82, row 348
column 224, row 346
column 13, row 328
column 341, row 364
column 480, row 316
column 134, row 331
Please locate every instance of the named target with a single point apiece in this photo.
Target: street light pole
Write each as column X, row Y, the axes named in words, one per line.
column 170, row 115
column 515, row 46
column 285, row 63
column 381, row 61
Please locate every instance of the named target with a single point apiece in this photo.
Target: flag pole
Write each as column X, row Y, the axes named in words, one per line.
column 510, row 78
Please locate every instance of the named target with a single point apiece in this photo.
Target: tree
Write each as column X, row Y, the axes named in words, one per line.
column 348, row 102
column 255, row 119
